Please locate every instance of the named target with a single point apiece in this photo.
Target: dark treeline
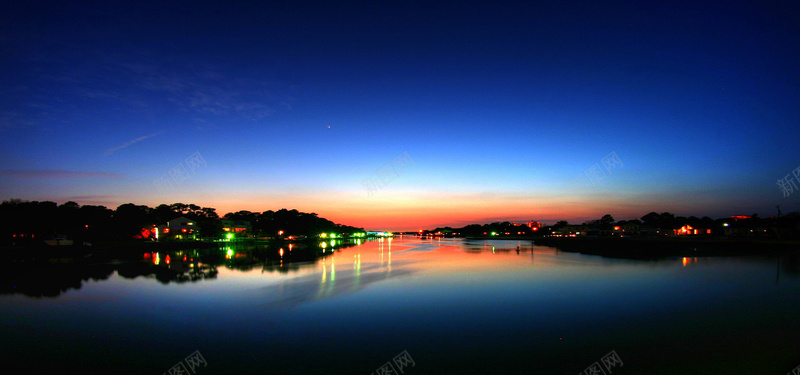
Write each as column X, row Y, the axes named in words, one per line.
column 34, row 221
column 293, row 222
column 787, row 226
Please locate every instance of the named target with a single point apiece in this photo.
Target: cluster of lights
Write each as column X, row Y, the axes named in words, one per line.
column 155, row 257
column 356, row 234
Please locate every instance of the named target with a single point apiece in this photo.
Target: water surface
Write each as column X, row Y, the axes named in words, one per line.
column 452, row 305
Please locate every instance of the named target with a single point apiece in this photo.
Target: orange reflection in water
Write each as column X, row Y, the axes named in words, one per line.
column 387, row 262
column 381, row 259
column 443, row 256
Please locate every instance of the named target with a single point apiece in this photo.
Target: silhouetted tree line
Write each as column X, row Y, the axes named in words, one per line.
column 787, row 226
column 34, row 221
column 268, row 223
column 486, row 229
column 668, row 220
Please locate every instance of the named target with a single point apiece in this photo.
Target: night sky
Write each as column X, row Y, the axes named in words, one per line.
column 404, row 114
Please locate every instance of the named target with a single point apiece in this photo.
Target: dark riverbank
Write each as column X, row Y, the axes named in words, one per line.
column 42, row 254
column 648, row 248
column 109, row 249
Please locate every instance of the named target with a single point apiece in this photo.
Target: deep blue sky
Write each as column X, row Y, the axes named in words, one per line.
column 502, row 106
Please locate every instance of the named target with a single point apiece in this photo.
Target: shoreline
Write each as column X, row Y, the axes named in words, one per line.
column 652, row 248
column 657, row 247
column 613, row 247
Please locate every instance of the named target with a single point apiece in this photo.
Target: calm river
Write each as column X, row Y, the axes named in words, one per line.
column 408, row 306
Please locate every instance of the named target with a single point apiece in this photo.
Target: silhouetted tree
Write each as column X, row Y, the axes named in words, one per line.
column 606, row 222
column 130, row 219
column 651, row 219
column 163, row 213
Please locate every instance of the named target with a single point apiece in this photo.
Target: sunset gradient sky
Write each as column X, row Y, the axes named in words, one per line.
column 502, row 106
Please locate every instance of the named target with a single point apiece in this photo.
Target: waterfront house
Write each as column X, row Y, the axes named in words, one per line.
column 650, row 231
column 181, row 228
column 630, row 228
column 579, row 230
column 239, row 227
column 688, row 230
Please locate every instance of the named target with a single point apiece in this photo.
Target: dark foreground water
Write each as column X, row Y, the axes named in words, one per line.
column 419, row 306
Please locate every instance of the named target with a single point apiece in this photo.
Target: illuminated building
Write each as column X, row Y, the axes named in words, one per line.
column 240, row 227
column 180, row 228
column 534, row 224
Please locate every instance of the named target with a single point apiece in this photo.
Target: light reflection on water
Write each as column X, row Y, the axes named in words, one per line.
column 457, row 306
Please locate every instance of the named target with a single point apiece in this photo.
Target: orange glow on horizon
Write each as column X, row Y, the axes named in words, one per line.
column 427, row 210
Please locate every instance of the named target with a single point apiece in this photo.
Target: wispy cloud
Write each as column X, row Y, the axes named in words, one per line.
column 126, row 144
column 9, row 119
column 142, row 86
column 56, row 174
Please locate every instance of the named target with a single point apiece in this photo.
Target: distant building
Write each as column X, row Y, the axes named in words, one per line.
column 237, row 226
column 534, row 224
column 646, row 231
column 751, row 229
column 630, row 229
column 688, row 230
column 180, row 228
column 579, row 230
